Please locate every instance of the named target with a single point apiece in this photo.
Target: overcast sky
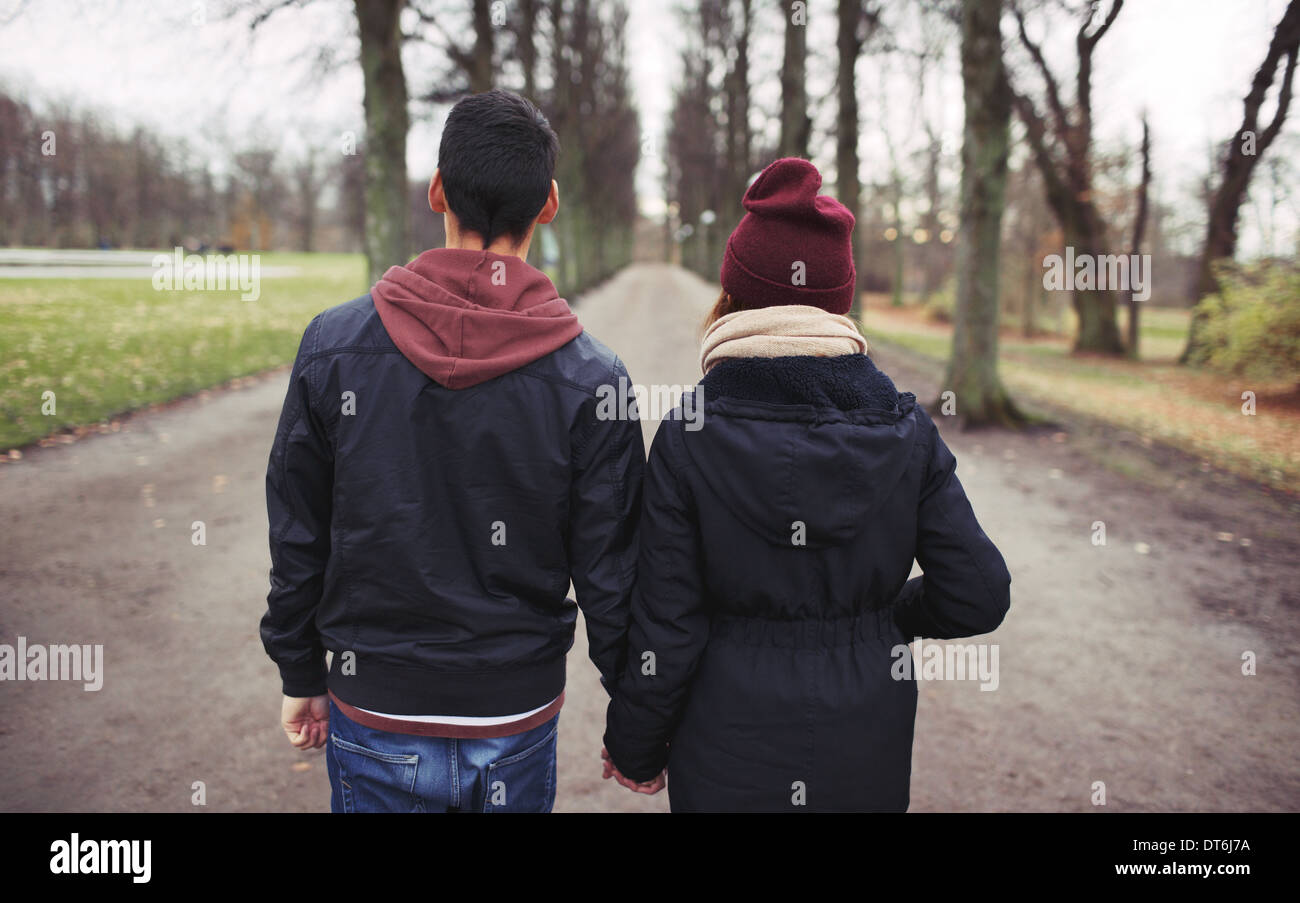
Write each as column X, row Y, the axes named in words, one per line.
column 182, row 68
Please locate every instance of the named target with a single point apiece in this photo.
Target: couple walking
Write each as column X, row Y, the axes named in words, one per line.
column 442, row 471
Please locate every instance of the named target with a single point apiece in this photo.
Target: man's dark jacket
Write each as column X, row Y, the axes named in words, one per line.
column 426, row 521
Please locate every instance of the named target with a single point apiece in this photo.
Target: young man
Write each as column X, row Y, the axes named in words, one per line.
column 440, row 473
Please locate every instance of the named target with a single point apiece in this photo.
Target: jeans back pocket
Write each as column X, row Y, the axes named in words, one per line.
column 523, row 781
column 374, row 781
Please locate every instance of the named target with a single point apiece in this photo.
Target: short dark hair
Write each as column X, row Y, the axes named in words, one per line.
column 497, row 159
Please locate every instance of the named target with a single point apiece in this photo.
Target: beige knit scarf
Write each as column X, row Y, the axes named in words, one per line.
column 786, row 330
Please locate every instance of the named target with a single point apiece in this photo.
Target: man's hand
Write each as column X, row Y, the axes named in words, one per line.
column 648, row 787
column 306, row 721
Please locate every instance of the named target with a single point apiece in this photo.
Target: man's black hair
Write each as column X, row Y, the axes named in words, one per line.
column 497, row 159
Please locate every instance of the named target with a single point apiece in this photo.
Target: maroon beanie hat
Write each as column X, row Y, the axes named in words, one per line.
column 793, row 245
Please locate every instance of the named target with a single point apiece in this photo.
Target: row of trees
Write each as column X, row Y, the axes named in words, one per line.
column 1009, row 79
column 1061, row 144
column 67, row 179
column 568, row 56
column 90, row 184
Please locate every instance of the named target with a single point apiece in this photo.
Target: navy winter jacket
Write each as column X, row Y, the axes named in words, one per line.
column 772, row 592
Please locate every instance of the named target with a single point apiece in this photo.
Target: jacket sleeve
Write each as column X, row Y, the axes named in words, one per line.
column 670, row 619
column 965, row 587
column 605, row 509
column 299, row 492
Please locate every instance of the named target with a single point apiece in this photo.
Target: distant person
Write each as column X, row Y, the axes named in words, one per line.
column 772, row 590
column 440, row 473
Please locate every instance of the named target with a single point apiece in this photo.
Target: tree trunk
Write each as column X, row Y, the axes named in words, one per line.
column 796, row 127
column 739, row 139
column 849, row 187
column 387, row 122
column 481, row 68
column 1033, row 284
column 308, row 193
column 972, row 374
column 1139, row 231
column 1098, row 309
column 527, row 50
column 896, row 283
column 528, row 46
column 1067, row 173
column 1240, row 157
column 929, row 251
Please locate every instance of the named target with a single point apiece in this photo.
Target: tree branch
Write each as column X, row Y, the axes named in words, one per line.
column 268, row 12
column 1053, row 92
column 1283, row 102
column 1036, row 135
column 1096, row 36
column 462, row 58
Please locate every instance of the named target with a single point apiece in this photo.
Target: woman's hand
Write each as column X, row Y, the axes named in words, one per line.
column 648, row 787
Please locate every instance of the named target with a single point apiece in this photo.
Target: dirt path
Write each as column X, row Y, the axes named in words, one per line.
column 1116, row 665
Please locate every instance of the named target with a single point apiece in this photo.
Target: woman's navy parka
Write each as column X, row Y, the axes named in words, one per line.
column 777, row 535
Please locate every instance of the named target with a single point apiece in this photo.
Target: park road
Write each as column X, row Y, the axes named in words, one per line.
column 1119, row 664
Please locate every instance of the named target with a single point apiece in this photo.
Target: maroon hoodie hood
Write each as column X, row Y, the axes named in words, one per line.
column 464, row 316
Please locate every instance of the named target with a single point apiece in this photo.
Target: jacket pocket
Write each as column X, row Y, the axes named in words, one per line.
column 374, row 781
column 524, row 781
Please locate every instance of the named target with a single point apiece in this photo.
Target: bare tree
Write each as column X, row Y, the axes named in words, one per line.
column 1239, row 159
column 857, row 21
column 387, row 123
column 1139, row 232
column 972, row 373
column 590, row 108
column 693, row 140
column 1061, row 145
column 739, row 152
column 308, row 180
column 526, row 45
column 710, row 147
column 931, row 253
column 387, row 229
column 476, row 62
column 895, row 189
column 796, row 125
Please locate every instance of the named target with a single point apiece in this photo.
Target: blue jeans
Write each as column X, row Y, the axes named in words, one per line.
column 376, row 771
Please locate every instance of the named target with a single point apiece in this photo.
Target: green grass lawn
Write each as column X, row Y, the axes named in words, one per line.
column 1189, row 408
column 107, row 346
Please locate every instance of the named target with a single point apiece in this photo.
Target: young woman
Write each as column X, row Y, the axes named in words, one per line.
column 772, row 604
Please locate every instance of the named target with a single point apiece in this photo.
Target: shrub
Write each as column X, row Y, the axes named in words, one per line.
column 1252, row 327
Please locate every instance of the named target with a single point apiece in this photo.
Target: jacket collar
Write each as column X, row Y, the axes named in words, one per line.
column 848, row 382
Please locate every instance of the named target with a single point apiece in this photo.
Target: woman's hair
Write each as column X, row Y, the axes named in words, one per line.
column 726, row 304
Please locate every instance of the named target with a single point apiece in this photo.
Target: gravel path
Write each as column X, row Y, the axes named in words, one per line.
column 1118, row 663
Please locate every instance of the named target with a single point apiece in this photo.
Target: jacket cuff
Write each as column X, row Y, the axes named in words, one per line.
column 640, row 772
column 639, row 768
column 303, row 679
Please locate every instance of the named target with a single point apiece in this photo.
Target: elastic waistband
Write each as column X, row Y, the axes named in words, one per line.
column 383, row 686
column 808, row 633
